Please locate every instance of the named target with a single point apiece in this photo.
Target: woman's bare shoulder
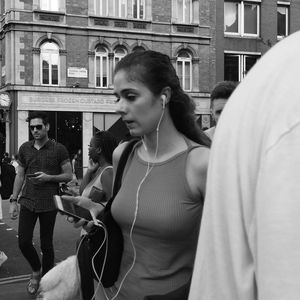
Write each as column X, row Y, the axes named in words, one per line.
column 197, row 165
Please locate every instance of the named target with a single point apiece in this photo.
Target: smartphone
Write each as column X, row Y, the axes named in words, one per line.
column 68, row 208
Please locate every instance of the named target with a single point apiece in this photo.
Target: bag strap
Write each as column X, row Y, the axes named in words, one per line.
column 121, row 166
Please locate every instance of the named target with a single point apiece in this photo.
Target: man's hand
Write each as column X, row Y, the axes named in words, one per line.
column 40, row 177
column 14, row 210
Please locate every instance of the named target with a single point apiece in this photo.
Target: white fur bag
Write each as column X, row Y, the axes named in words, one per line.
column 62, row 282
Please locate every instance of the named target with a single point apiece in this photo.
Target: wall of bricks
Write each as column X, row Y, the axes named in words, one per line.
column 77, row 56
column 161, row 10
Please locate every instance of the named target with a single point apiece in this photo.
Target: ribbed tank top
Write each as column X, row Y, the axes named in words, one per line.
column 166, row 228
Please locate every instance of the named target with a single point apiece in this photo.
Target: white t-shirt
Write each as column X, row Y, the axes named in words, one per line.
column 249, row 243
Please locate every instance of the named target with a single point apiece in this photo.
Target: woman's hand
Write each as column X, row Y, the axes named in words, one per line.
column 88, row 204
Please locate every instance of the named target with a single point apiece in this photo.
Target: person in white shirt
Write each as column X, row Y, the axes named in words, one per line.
column 219, row 96
column 249, row 241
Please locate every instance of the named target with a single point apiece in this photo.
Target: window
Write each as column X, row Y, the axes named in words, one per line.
column 236, row 66
column 120, row 8
column 119, row 54
column 282, row 20
column 138, row 9
column 184, row 70
column 51, row 5
column 241, row 18
column 101, row 7
column 101, row 67
column 184, row 11
column 49, row 63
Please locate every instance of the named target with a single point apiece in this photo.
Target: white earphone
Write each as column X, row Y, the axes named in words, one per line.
column 164, row 102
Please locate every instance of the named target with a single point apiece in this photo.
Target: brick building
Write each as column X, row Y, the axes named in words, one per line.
column 58, row 56
column 245, row 30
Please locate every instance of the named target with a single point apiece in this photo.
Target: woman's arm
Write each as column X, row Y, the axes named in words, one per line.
column 196, row 171
column 92, row 168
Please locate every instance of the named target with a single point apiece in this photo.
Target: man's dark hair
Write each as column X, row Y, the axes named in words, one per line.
column 38, row 115
column 223, row 89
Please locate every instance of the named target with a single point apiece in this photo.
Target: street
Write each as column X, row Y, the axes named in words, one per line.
column 14, row 273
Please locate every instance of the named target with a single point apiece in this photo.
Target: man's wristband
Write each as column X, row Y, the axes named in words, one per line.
column 11, row 200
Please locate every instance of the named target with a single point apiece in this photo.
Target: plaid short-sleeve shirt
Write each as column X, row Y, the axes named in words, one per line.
column 48, row 159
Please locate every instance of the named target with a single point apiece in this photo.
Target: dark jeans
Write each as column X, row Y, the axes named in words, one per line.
column 27, row 221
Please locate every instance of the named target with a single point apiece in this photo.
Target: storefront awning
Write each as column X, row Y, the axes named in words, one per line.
column 5, row 100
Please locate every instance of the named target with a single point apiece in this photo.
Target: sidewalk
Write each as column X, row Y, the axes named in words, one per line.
column 15, row 272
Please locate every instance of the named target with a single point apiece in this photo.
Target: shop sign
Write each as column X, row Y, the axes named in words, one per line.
column 77, row 72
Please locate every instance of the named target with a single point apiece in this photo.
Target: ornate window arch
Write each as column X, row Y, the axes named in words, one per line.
column 119, row 53
column 50, row 63
column 184, row 69
column 101, row 67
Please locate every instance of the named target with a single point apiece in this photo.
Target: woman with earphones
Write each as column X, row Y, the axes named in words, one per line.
column 159, row 204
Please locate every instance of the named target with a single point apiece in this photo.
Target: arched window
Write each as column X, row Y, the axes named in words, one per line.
column 119, row 53
column 120, row 8
column 101, row 67
column 184, row 70
column 101, row 7
column 138, row 48
column 49, row 63
column 52, row 5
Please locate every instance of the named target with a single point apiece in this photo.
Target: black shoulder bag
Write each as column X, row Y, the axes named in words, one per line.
column 109, row 251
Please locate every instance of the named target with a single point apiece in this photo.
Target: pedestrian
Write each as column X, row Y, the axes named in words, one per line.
column 97, row 182
column 3, row 256
column 78, row 165
column 14, row 161
column 43, row 164
column 249, row 242
column 219, row 97
column 159, row 204
column 5, row 155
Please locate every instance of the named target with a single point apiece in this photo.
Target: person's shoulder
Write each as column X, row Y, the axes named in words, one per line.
column 26, row 145
column 120, row 149
column 198, row 157
column 58, row 145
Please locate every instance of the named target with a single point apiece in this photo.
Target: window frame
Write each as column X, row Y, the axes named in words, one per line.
column 50, row 64
column 100, row 12
column 140, row 3
column 117, row 56
column 181, row 18
column 182, row 77
column 119, row 15
column 48, row 5
column 241, row 18
column 101, row 56
column 286, row 6
column 242, row 57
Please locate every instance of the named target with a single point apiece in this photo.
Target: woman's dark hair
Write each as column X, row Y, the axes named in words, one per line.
column 107, row 142
column 155, row 70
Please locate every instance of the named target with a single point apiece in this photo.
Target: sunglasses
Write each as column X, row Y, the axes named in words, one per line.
column 38, row 127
